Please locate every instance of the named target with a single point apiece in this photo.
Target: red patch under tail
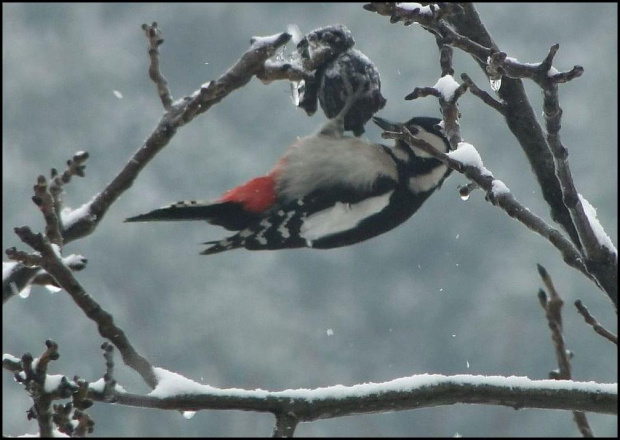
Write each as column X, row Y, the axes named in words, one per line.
column 255, row 196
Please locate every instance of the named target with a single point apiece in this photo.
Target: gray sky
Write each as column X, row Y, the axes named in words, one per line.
column 452, row 291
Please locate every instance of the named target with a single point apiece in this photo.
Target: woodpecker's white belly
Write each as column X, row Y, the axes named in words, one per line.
column 322, row 162
column 341, row 217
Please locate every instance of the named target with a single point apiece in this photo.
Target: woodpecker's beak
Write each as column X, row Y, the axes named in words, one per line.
column 385, row 124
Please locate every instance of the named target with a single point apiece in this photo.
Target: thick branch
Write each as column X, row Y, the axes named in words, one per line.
column 520, row 118
column 601, row 261
column 398, row 395
column 545, row 155
column 470, row 35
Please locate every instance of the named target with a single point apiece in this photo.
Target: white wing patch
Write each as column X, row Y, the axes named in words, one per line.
column 341, row 217
column 427, row 181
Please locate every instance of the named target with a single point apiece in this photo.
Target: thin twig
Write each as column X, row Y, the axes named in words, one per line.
column 27, row 272
column 484, row 96
column 155, row 40
column 33, row 376
column 552, row 306
column 53, row 265
column 598, row 328
column 448, row 91
column 43, row 199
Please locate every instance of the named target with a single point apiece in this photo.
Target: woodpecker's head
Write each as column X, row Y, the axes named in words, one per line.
column 423, row 172
column 421, row 127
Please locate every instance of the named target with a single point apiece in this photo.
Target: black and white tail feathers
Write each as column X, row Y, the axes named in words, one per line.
column 229, row 215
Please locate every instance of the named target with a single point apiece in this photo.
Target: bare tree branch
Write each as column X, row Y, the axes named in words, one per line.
column 441, row 390
column 519, row 116
column 470, row 35
column 155, row 40
column 179, row 114
column 285, row 425
column 53, row 265
column 498, row 194
column 547, row 156
column 598, row 328
column 175, row 116
column 26, row 272
column 552, row 306
column 432, row 19
column 484, row 96
column 601, row 261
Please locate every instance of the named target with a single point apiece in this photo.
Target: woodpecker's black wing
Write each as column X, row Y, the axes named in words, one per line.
column 326, row 218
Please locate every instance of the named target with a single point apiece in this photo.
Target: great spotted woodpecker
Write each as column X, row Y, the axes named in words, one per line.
column 327, row 191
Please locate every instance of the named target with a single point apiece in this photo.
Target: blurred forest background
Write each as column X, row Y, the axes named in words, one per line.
column 452, row 291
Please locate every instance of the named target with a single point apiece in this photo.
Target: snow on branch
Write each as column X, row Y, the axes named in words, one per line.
column 420, row 391
column 178, row 113
column 599, row 254
column 466, row 160
column 176, row 392
column 457, row 26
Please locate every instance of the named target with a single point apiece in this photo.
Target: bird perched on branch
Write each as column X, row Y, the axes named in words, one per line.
column 328, row 190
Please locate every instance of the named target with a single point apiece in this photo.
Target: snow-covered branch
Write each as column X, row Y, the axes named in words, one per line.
column 467, row 161
column 420, row 391
column 177, row 114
